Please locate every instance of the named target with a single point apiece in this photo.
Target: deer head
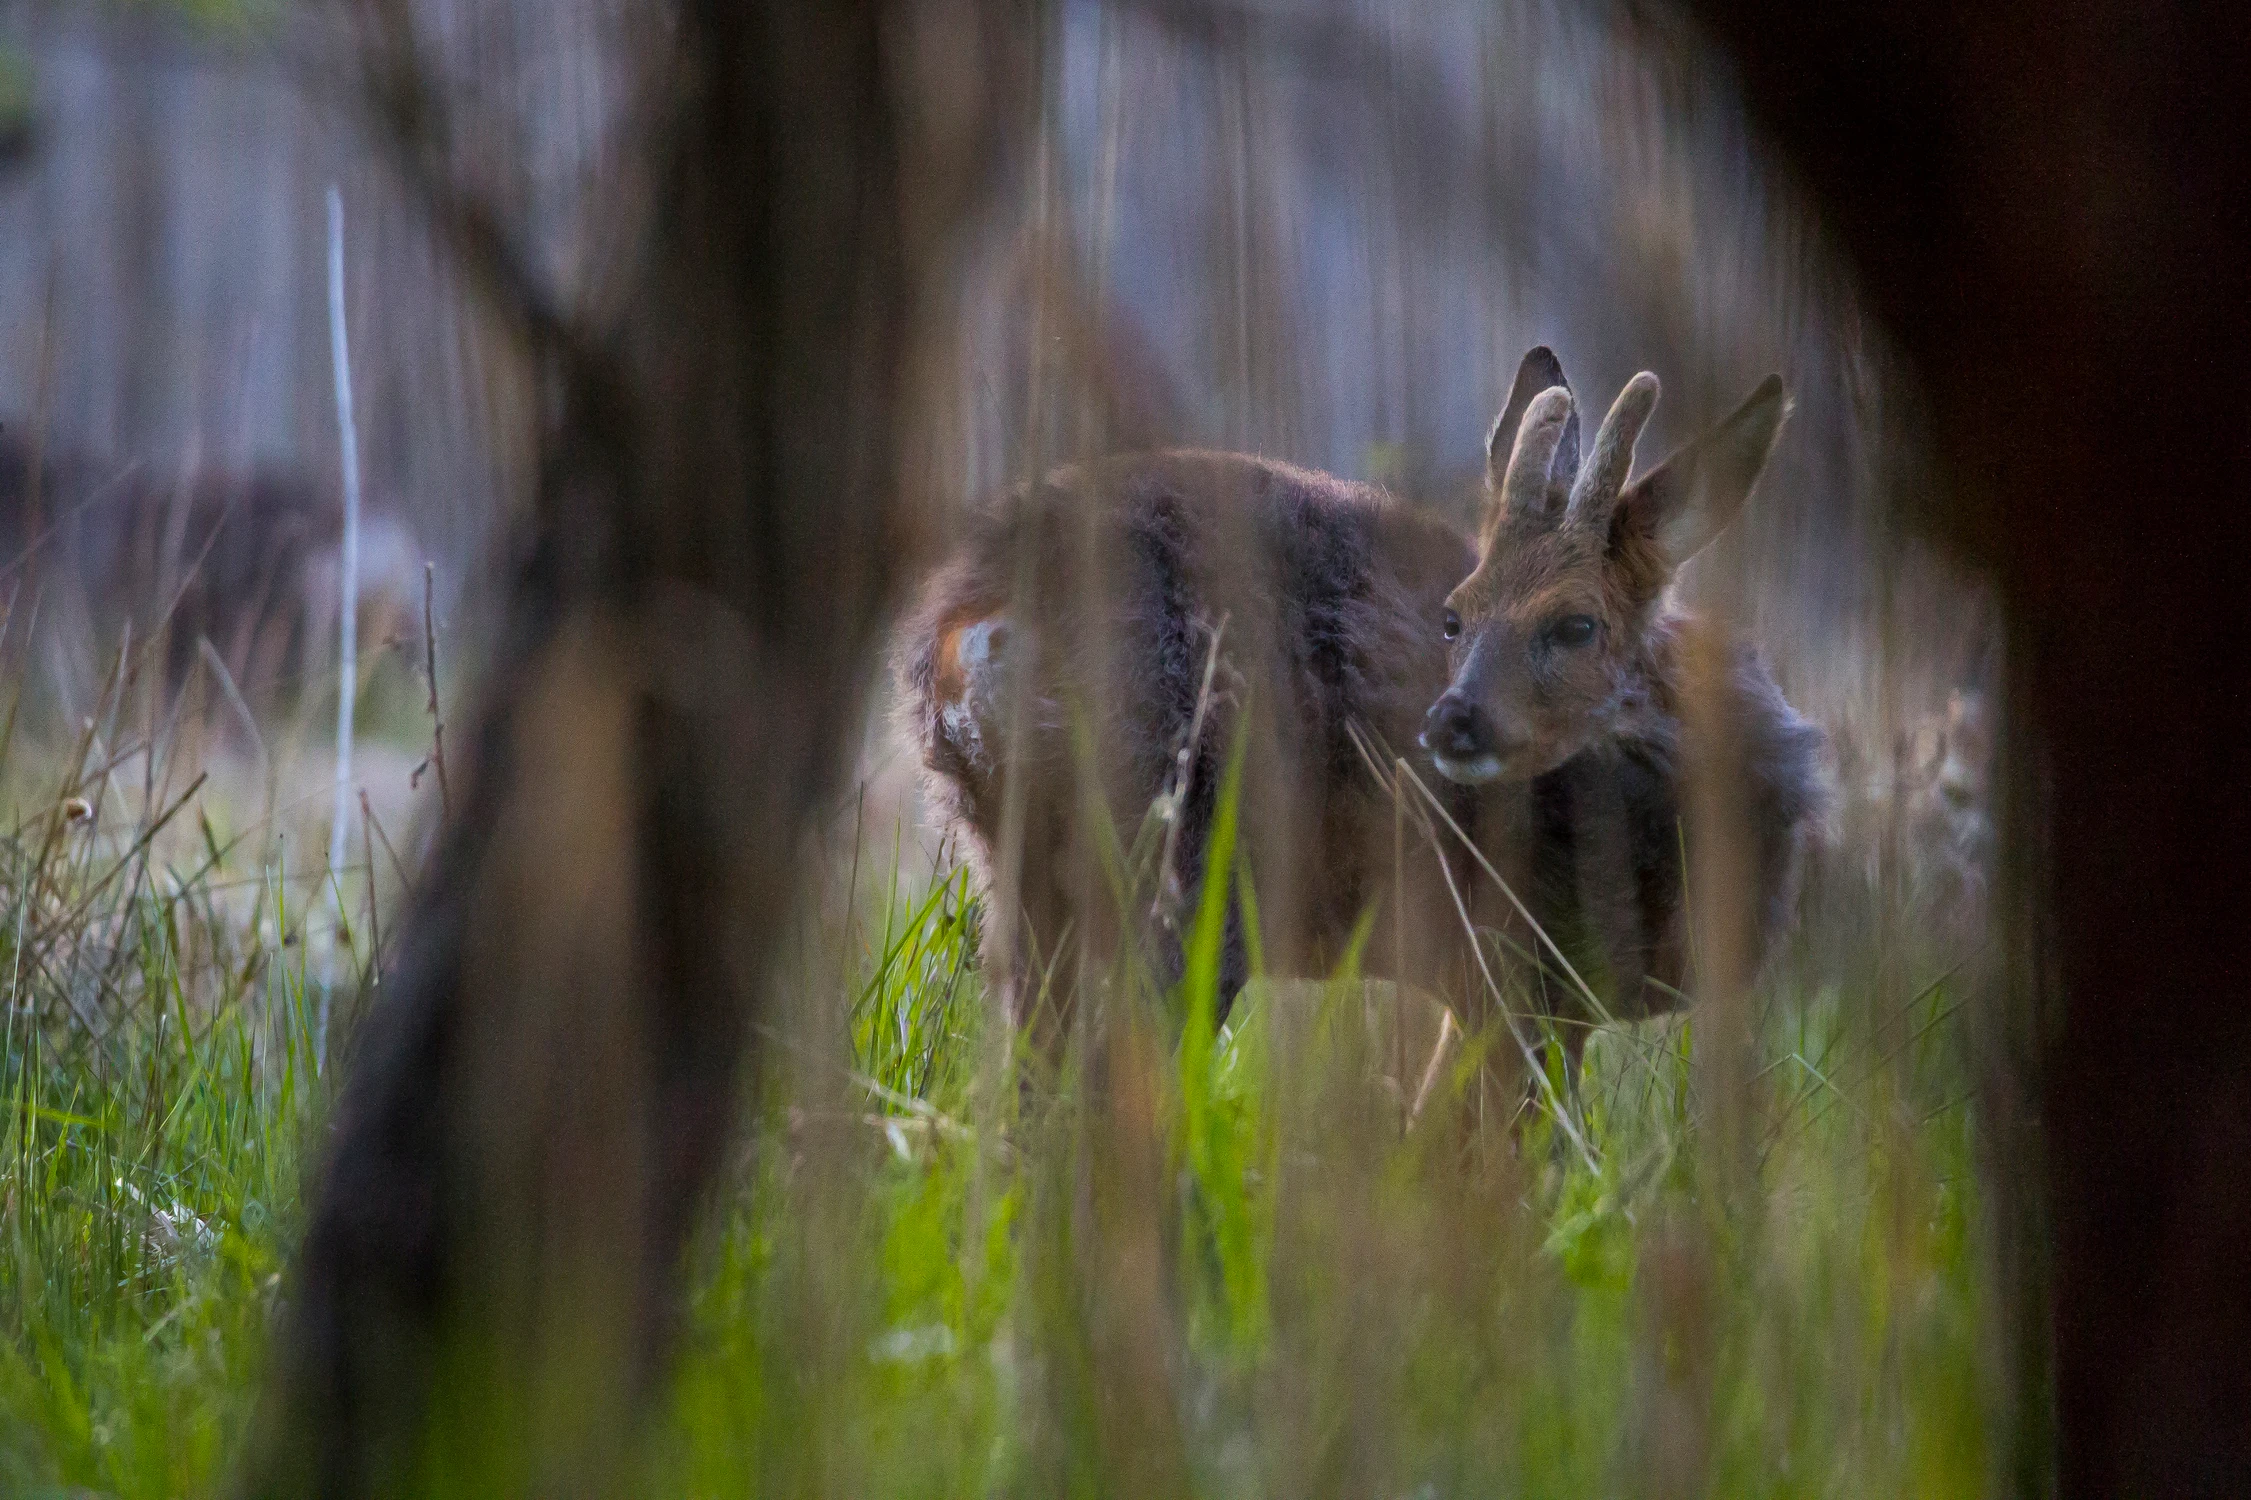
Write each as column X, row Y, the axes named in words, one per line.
column 1547, row 637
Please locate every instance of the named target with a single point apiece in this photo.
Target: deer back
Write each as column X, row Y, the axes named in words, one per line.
column 1105, row 639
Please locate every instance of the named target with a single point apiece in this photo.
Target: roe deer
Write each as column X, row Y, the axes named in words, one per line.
column 1057, row 673
column 249, row 560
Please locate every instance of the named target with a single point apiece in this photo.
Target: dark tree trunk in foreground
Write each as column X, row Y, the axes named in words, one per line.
column 2051, row 208
column 545, row 1086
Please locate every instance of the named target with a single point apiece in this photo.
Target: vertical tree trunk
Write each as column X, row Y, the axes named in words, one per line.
column 2048, row 204
column 543, row 1091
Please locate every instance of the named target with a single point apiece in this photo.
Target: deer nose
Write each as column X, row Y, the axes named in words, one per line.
column 1455, row 729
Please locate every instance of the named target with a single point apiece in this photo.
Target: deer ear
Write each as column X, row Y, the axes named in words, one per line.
column 1539, row 371
column 1692, row 496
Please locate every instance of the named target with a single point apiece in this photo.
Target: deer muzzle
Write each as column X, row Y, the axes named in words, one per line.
column 1467, row 744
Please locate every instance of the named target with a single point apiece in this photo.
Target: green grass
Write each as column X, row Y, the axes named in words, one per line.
column 1224, row 1266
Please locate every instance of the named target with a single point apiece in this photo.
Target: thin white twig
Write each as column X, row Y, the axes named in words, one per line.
column 1447, row 1031
column 348, row 626
column 1176, row 796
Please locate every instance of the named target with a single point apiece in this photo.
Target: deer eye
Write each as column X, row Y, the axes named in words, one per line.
column 1453, row 625
column 1573, row 630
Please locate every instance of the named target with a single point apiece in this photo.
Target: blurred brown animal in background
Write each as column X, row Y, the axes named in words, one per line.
column 1945, row 766
column 250, row 562
column 1919, row 813
column 1128, row 621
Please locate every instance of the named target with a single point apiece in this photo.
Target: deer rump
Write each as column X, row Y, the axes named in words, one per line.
column 1053, row 679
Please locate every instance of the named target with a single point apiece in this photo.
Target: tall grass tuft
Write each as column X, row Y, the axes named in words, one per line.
column 1219, row 1259
column 159, row 1086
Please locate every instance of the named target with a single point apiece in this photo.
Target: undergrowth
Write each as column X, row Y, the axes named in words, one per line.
column 1235, row 1264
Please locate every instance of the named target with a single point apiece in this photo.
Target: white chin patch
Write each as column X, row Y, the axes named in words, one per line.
column 1473, row 772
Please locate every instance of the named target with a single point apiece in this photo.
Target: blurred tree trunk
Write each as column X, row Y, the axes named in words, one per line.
column 544, row 1088
column 2051, row 207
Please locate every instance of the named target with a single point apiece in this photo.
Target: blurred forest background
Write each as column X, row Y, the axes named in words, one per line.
column 1324, row 232
column 1337, row 260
